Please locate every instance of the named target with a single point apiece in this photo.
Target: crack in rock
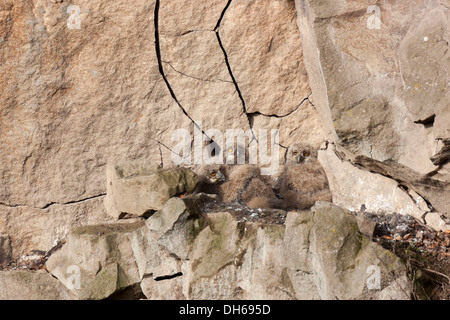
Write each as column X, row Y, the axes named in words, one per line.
column 196, row 78
column 160, row 64
column 252, row 114
column 167, row 277
column 161, row 70
column 52, row 203
column 230, row 71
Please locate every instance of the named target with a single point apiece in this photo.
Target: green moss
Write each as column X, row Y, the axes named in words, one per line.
column 180, row 179
column 23, row 276
column 274, row 231
column 104, row 283
column 104, row 229
column 285, row 280
column 197, row 226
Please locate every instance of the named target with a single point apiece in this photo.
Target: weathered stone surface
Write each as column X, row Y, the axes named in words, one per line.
column 436, row 192
column 5, row 248
column 77, row 99
column 72, row 100
column 139, row 187
column 177, row 224
column 40, row 229
column 352, row 187
column 26, row 285
column 296, row 249
column 181, row 254
column 206, row 89
column 380, row 82
column 303, row 124
column 164, row 289
column 98, row 260
column 317, row 255
column 115, row 90
column 341, row 258
column 383, row 91
column 267, row 49
column 389, row 187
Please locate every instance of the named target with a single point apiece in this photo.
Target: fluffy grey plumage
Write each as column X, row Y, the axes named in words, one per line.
column 303, row 181
column 246, row 185
column 237, row 183
column 211, row 177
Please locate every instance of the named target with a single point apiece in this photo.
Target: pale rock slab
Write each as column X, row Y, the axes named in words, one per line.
column 141, row 186
column 27, row 285
column 41, row 229
column 352, row 187
column 98, row 260
column 177, row 224
column 265, row 55
column 382, row 90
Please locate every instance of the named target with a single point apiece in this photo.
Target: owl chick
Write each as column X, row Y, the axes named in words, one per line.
column 210, row 179
column 303, row 181
column 246, row 185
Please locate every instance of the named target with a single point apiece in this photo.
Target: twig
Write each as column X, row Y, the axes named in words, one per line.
column 438, row 273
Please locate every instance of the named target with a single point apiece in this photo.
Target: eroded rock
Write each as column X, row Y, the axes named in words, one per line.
column 140, row 187
column 27, row 285
column 99, row 260
column 5, row 249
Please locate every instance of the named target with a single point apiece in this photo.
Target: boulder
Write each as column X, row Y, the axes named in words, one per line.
column 99, row 260
column 27, row 285
column 342, row 260
column 186, row 252
column 379, row 74
column 176, row 225
column 138, row 188
column 318, row 254
column 352, row 188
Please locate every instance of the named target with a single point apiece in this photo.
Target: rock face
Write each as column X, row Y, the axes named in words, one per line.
column 101, row 86
column 352, row 188
column 26, row 285
column 379, row 76
column 139, row 187
column 180, row 253
column 383, row 85
column 75, row 99
column 99, row 260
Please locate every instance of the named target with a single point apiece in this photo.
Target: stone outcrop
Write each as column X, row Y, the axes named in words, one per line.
column 183, row 252
column 103, row 87
column 99, row 260
column 379, row 76
column 139, row 187
column 384, row 89
column 353, row 187
column 27, row 285
column 74, row 100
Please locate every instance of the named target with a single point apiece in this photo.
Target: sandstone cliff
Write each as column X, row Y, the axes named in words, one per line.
column 86, row 83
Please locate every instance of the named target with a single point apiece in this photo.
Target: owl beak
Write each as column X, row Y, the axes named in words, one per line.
column 300, row 158
column 222, row 178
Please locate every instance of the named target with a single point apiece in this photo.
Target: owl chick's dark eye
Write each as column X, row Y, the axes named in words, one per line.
column 305, row 154
column 212, row 173
column 295, row 153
